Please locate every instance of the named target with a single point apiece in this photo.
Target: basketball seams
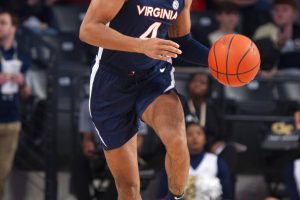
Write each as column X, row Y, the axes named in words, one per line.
column 252, row 69
column 245, row 72
column 244, row 56
column 237, row 58
column 217, row 70
column 228, row 51
column 257, row 66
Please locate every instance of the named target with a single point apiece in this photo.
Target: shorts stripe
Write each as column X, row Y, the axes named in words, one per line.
column 172, row 85
column 93, row 74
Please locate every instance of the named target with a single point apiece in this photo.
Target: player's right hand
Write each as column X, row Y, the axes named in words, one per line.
column 159, row 49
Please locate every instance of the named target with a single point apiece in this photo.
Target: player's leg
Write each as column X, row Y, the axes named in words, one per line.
column 165, row 116
column 112, row 107
column 123, row 165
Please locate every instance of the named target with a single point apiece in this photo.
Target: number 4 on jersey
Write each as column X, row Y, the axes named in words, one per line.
column 152, row 30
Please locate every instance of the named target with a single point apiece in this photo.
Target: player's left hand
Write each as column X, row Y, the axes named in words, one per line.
column 159, row 49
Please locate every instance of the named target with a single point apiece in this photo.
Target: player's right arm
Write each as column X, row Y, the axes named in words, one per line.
column 94, row 31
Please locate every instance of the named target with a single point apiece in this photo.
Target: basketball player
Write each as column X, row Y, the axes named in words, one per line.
column 133, row 78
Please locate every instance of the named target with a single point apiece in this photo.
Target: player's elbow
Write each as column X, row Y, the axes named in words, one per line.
column 83, row 33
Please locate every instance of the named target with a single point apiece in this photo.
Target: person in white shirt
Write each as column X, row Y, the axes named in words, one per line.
column 209, row 177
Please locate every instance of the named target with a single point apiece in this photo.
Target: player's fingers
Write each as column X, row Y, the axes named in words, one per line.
column 161, row 57
column 170, row 49
column 170, row 43
column 168, row 54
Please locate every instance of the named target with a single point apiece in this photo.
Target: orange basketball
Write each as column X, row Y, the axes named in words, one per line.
column 234, row 60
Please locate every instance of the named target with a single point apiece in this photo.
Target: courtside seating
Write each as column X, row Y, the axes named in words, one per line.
column 254, row 91
column 289, row 91
column 256, row 98
column 69, row 47
column 67, row 19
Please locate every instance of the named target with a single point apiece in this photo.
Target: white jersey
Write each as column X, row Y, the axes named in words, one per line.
column 203, row 183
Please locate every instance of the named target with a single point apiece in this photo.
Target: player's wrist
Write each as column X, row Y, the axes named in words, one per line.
column 138, row 45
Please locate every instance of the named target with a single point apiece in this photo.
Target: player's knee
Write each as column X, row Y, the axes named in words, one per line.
column 129, row 187
column 177, row 146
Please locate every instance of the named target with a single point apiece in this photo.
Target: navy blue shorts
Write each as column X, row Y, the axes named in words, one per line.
column 117, row 100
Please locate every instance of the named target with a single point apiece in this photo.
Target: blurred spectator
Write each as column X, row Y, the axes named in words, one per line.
column 209, row 177
column 248, row 14
column 283, row 12
column 283, row 34
column 13, row 67
column 198, row 5
column 200, row 108
column 35, row 13
column 227, row 15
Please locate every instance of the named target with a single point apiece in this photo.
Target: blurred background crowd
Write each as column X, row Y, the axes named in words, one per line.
column 243, row 142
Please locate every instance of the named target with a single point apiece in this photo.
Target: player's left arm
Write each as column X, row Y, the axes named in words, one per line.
column 192, row 50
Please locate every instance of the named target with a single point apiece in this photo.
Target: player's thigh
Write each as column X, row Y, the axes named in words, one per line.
column 123, row 164
column 112, row 107
column 165, row 115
